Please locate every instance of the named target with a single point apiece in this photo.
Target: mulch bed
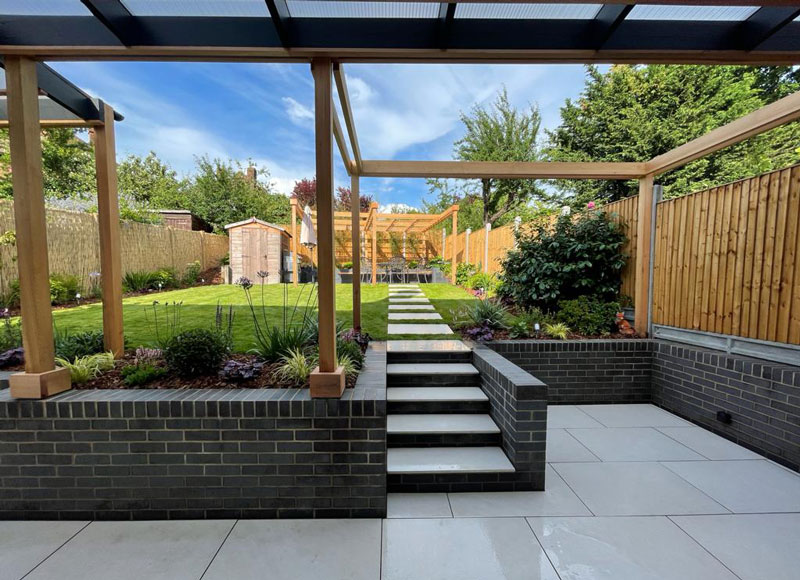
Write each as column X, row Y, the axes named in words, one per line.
column 264, row 380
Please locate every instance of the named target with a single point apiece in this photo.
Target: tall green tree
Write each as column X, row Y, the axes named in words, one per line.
column 499, row 132
column 150, row 181
column 221, row 193
column 633, row 113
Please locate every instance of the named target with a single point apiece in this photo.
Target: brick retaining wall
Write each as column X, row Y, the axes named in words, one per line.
column 158, row 454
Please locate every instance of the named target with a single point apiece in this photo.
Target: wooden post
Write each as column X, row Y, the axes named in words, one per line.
column 41, row 378
column 466, row 245
column 374, row 210
column 486, row 247
column 105, row 159
column 295, row 262
column 328, row 379
column 444, row 239
column 454, row 249
column 355, row 211
column 643, row 257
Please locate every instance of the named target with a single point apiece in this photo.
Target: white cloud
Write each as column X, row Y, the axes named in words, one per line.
column 298, row 113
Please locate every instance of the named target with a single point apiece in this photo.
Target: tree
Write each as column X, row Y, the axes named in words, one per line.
column 633, row 113
column 501, row 133
column 305, row 192
column 220, row 193
column 343, row 197
column 150, row 182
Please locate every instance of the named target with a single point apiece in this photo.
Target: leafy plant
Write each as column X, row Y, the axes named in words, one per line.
column 489, row 313
column 196, row 352
column 191, row 275
column 465, row 271
column 137, row 281
column 346, row 266
column 10, row 333
column 519, row 328
column 482, row 281
column 165, row 278
column 589, row 316
column 557, row 330
column 479, row 333
column 141, row 374
column 70, row 346
column 11, row 357
column 146, row 355
column 81, row 369
column 573, row 258
column 238, row 371
column 164, row 320
column 63, row 288
column 295, row 367
column 347, row 363
column 350, row 350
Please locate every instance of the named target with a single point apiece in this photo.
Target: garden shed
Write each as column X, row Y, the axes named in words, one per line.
column 258, row 246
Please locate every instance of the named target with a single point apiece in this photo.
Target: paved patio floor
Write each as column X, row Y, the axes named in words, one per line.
column 633, row 493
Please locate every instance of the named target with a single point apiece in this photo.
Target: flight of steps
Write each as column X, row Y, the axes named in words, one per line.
column 439, row 432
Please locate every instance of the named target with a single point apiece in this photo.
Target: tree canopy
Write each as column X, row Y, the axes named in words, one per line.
column 633, row 113
column 305, row 192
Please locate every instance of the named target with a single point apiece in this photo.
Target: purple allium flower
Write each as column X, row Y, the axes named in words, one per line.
column 245, row 282
column 262, row 274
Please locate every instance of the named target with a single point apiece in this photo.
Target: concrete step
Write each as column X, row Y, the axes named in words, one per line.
column 441, row 460
column 436, row 400
column 431, row 374
column 436, row 424
column 427, row 351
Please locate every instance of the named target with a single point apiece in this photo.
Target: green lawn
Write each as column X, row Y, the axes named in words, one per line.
column 199, row 307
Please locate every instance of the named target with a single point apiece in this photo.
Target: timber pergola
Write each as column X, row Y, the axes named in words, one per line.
column 37, row 96
column 330, row 34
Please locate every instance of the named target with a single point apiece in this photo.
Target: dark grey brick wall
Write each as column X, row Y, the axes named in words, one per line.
column 585, row 371
column 762, row 397
column 197, row 454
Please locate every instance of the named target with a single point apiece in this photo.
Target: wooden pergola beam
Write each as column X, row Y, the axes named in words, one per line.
column 504, row 169
column 347, row 112
column 340, row 142
column 759, row 121
column 295, row 262
column 356, row 245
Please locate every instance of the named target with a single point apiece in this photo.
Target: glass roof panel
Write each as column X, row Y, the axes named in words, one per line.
column 43, row 8
column 253, row 8
column 700, row 13
column 505, row 10
column 347, row 9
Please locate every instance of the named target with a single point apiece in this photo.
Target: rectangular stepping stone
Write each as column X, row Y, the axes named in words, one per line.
column 442, row 345
column 438, row 424
column 447, row 460
column 411, row 307
column 431, row 368
column 407, row 300
column 415, row 316
column 419, row 329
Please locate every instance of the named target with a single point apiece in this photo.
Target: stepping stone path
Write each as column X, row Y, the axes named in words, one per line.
column 406, row 301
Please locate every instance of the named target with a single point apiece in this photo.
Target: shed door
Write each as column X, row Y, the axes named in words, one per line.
column 251, row 252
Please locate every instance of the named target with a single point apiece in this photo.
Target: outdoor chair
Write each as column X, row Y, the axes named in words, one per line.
column 366, row 271
column 397, row 265
column 418, row 271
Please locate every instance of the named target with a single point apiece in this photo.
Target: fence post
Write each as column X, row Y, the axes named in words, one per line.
column 644, row 233
column 486, row 248
column 466, row 245
column 443, row 242
column 658, row 193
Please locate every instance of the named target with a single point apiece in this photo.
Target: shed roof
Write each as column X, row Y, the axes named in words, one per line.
column 255, row 220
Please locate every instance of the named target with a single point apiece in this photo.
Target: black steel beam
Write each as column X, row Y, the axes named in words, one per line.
column 447, row 12
column 115, row 17
column 764, row 23
column 279, row 12
column 396, row 33
column 608, row 19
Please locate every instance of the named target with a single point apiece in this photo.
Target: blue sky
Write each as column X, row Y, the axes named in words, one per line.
column 265, row 111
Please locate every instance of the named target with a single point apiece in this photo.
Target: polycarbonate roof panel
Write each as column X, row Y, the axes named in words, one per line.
column 699, row 13
column 253, row 8
column 504, row 10
column 339, row 9
column 43, row 8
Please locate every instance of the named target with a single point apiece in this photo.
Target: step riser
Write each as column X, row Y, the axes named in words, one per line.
column 440, row 407
column 458, row 482
column 444, row 440
column 432, row 381
column 428, row 357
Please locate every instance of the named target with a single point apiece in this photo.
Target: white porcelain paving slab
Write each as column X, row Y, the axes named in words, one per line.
column 744, row 486
column 418, row 505
column 415, row 316
column 463, row 549
column 431, row 369
column 564, row 416
column 402, row 328
column 753, row 546
column 443, row 345
column 436, row 395
column 157, row 550
column 23, row 545
column 631, row 489
column 708, row 444
column 300, row 550
column 393, row 300
column 411, row 307
column 633, row 444
column 401, row 293
column 400, row 424
column 447, row 460
column 564, row 448
column 650, row 548
column 633, row 416
column 557, row 500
